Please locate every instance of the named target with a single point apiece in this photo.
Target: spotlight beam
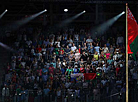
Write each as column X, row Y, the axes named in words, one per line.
column 7, row 47
column 103, row 27
column 3, row 13
column 26, row 20
column 70, row 19
column 19, row 23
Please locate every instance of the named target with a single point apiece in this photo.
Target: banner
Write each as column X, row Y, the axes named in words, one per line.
column 89, row 76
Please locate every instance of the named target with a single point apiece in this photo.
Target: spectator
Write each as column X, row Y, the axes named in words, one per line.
column 48, row 64
column 105, row 49
column 97, row 48
column 73, row 48
column 5, row 93
column 120, row 41
column 77, row 55
column 89, row 40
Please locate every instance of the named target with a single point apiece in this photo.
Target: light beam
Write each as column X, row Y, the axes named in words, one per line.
column 3, row 13
column 103, row 27
column 19, row 23
column 71, row 19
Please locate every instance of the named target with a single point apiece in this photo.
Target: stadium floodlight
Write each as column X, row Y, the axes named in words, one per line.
column 123, row 12
column 65, row 10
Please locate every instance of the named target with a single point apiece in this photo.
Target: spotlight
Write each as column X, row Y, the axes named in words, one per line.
column 123, row 12
column 84, row 11
column 6, row 10
column 65, row 10
column 45, row 10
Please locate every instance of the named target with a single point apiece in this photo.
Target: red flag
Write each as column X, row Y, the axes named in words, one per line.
column 89, row 76
column 132, row 29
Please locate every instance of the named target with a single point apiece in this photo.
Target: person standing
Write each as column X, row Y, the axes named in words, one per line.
column 5, row 94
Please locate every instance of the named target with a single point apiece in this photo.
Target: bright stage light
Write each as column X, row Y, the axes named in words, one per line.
column 65, row 10
column 45, row 10
column 6, row 10
column 84, row 11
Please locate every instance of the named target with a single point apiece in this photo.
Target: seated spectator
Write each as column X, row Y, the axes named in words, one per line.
column 51, row 69
column 46, row 91
column 63, row 70
column 73, row 48
column 33, row 50
column 63, row 41
column 51, row 42
column 87, row 68
column 108, row 44
column 77, row 55
column 56, row 50
column 67, row 50
column 89, row 40
column 64, row 63
column 97, row 48
column 96, row 56
column 107, row 54
column 110, row 60
column 71, row 55
column 46, row 42
column 91, row 48
column 84, row 56
column 5, row 93
column 39, row 49
column 40, row 42
column 54, row 63
column 51, row 49
column 75, row 69
column 57, row 43
column 111, row 50
column 82, row 69
column 105, row 48
column 68, row 71
column 84, row 48
column 80, row 49
column 45, row 77
column 59, row 63
column 43, row 51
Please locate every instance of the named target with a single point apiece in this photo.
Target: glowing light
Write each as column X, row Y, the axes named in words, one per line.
column 67, row 21
column 65, row 10
column 3, row 13
column 102, row 28
column 123, row 12
column 45, row 10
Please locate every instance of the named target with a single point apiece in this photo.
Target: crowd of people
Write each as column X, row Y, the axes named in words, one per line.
column 53, row 67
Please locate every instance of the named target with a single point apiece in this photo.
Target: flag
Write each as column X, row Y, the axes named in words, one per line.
column 132, row 34
column 89, row 76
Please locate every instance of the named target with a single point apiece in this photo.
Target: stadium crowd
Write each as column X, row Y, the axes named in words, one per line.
column 66, row 66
